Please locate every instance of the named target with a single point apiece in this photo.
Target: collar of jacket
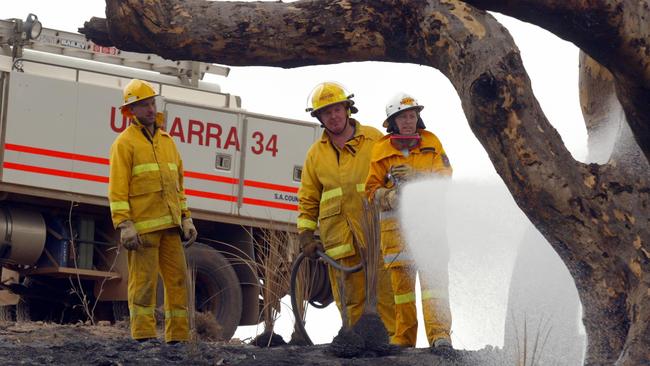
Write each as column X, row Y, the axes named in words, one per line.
column 160, row 121
column 141, row 128
column 357, row 132
column 352, row 144
column 428, row 141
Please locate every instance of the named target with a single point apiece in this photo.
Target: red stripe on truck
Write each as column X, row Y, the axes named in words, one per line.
column 211, row 195
column 214, row 178
column 278, row 187
column 189, row 192
column 57, row 154
column 257, row 202
column 186, row 174
column 55, row 172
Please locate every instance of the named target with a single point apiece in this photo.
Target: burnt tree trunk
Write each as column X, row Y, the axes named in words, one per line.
column 596, row 216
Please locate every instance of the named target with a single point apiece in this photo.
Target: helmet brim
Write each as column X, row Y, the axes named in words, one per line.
column 386, row 121
column 137, row 100
column 349, row 102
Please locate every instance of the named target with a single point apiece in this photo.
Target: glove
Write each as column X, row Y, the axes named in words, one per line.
column 129, row 235
column 386, row 198
column 309, row 245
column 402, row 172
column 189, row 231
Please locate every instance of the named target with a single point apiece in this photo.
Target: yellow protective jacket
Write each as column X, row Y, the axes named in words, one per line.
column 428, row 157
column 332, row 188
column 146, row 181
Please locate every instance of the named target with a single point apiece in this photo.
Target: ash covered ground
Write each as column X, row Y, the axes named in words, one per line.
column 38, row 343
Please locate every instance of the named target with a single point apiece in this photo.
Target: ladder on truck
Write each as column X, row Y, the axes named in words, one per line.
column 14, row 38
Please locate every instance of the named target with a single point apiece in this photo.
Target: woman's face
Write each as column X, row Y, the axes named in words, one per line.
column 407, row 121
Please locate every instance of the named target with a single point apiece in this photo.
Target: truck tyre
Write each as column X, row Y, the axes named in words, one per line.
column 217, row 288
column 29, row 310
column 8, row 313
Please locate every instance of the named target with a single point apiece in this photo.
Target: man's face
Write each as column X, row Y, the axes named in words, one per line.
column 145, row 111
column 334, row 117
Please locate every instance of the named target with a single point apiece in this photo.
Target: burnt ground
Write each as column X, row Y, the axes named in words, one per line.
column 38, row 343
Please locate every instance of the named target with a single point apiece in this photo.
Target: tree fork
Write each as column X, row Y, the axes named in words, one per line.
column 614, row 33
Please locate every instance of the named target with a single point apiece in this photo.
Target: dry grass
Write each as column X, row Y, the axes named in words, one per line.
column 191, row 304
column 526, row 357
column 369, row 250
column 304, row 279
column 206, row 327
column 372, row 252
column 274, row 252
column 203, row 325
column 273, row 264
column 275, row 249
column 368, row 335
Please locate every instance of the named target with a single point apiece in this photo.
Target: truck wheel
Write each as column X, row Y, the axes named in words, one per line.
column 8, row 313
column 29, row 310
column 217, row 288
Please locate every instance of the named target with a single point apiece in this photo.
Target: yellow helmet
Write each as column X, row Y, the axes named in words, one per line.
column 328, row 93
column 137, row 90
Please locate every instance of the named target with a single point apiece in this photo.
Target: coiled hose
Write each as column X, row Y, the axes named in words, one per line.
column 294, row 275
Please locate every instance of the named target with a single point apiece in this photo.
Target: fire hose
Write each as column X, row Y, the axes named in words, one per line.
column 294, row 274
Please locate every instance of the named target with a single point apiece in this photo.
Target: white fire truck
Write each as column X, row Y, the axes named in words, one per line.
column 59, row 106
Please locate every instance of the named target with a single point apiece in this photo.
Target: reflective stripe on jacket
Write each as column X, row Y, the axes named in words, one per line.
column 146, row 181
column 332, row 188
column 428, row 157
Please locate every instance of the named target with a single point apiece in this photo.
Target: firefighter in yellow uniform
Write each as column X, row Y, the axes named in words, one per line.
column 330, row 198
column 406, row 152
column 148, row 206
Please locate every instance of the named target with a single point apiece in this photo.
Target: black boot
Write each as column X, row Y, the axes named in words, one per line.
column 442, row 347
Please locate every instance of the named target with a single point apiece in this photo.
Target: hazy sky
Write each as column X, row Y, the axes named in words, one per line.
column 552, row 65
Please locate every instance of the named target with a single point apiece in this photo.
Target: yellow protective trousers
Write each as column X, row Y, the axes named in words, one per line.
column 435, row 305
column 355, row 295
column 161, row 252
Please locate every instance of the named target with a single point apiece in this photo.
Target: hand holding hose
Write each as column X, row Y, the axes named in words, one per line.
column 309, row 245
column 402, row 172
column 386, row 198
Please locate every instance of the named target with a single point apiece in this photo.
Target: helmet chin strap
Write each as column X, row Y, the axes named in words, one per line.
column 347, row 122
